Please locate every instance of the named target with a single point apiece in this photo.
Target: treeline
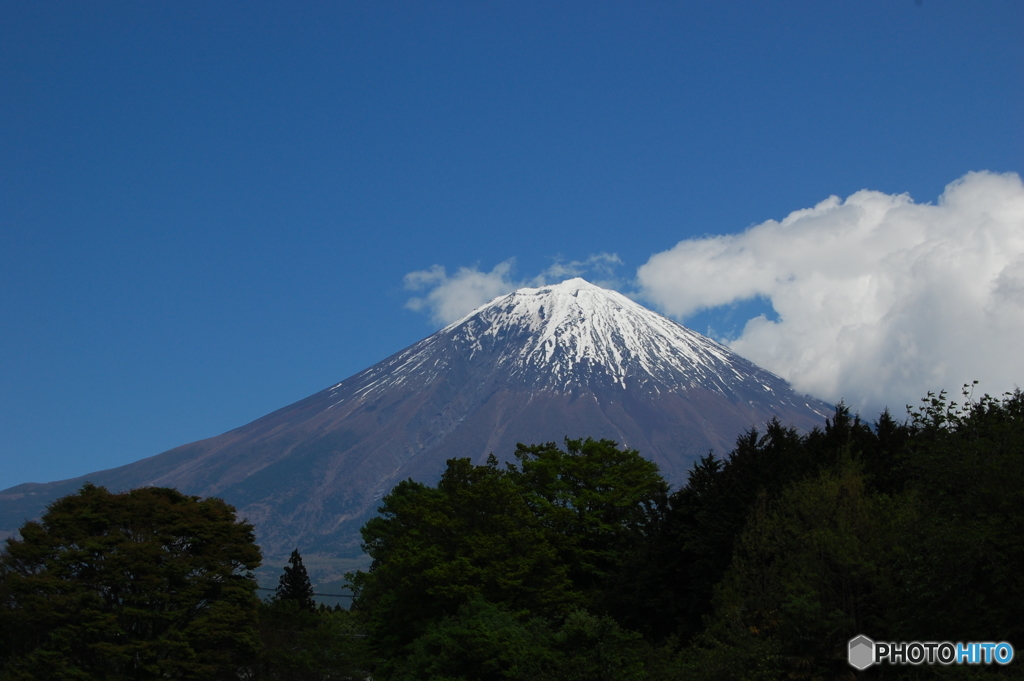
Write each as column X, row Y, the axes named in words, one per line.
column 577, row 563
column 153, row 584
column 571, row 562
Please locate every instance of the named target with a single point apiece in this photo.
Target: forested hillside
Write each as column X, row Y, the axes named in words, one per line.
column 578, row 562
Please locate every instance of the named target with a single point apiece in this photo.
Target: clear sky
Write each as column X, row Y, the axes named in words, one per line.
column 209, row 210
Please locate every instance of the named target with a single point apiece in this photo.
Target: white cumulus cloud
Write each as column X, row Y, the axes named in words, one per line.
column 879, row 299
column 451, row 296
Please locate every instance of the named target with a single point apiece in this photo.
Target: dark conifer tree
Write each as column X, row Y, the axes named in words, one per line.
column 295, row 585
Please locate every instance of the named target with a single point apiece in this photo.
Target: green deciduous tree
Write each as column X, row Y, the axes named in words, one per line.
column 481, row 641
column 599, row 503
column 145, row 584
column 542, row 537
column 433, row 549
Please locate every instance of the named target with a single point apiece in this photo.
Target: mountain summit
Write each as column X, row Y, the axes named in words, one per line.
column 575, row 335
column 536, row 365
column 571, row 338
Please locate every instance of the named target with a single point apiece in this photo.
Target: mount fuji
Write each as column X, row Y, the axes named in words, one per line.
column 536, row 365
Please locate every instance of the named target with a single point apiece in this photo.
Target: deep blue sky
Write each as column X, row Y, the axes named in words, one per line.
column 207, row 209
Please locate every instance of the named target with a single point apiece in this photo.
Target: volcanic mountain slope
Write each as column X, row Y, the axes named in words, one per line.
column 537, row 365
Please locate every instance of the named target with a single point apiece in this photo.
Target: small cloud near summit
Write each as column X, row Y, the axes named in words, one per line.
column 449, row 297
column 600, row 267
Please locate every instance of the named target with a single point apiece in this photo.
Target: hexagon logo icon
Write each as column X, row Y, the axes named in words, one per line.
column 861, row 652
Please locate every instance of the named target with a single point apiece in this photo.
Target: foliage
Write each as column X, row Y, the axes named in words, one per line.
column 434, row 549
column 695, row 544
column 910, row 531
column 599, row 502
column 762, row 567
column 587, row 647
column 570, row 563
column 298, row 644
column 486, row 641
column 694, row 548
column 814, row 568
column 302, row 642
column 964, row 560
column 542, row 537
column 481, row 641
column 148, row 583
column 294, row 584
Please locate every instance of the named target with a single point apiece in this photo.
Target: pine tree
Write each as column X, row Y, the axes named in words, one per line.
column 295, row 585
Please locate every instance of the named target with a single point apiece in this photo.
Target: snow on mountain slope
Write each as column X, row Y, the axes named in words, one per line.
column 567, row 337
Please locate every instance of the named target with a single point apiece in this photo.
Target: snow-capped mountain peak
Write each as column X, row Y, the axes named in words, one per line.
column 568, row 336
column 536, row 365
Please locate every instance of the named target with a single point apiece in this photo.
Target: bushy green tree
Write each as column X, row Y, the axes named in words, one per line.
column 694, row 547
column 588, row 647
column 150, row 583
column 542, row 537
column 696, row 540
column 434, row 549
column 599, row 502
column 481, row 641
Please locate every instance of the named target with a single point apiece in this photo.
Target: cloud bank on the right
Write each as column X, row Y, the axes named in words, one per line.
column 879, row 299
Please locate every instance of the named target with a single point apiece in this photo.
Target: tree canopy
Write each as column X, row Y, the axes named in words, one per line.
column 541, row 537
column 572, row 562
column 145, row 584
column 300, row 641
column 575, row 562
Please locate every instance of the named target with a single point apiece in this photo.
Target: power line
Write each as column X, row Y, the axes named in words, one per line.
column 267, row 588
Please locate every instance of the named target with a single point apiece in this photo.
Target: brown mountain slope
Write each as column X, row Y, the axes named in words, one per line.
column 535, row 366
